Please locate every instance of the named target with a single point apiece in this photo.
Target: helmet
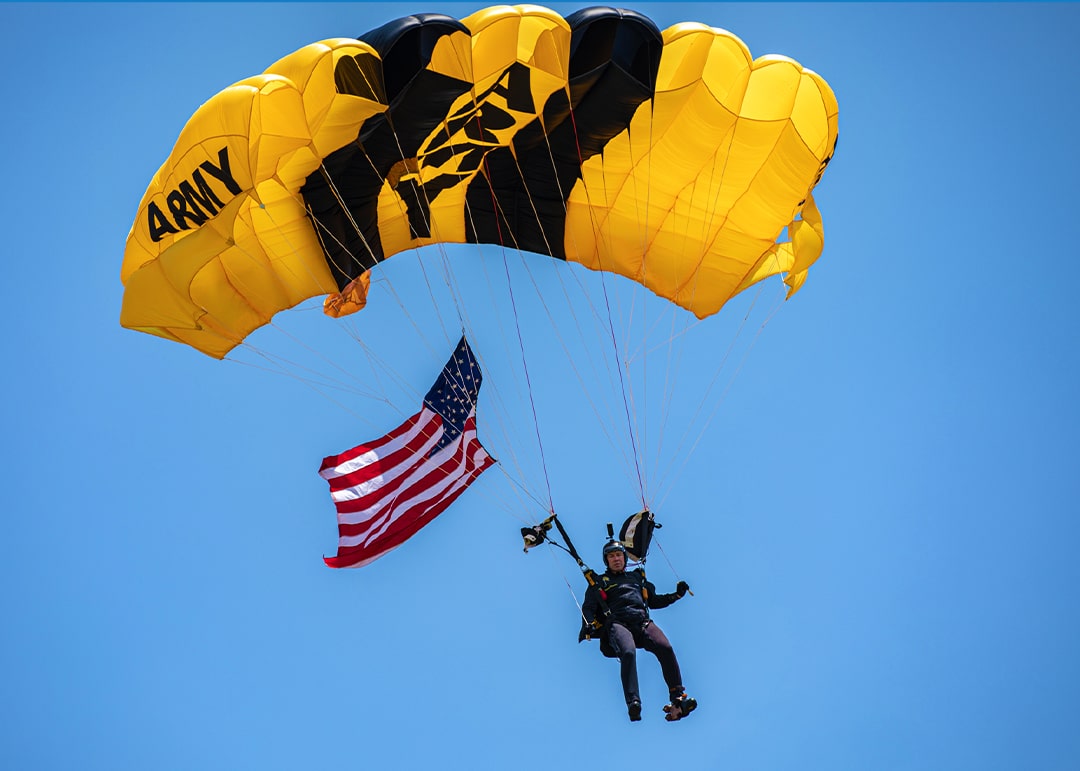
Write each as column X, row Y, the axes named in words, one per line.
column 612, row 546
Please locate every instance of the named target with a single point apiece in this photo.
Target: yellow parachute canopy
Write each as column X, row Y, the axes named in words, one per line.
column 674, row 159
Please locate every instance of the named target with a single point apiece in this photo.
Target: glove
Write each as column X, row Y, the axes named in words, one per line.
column 682, row 588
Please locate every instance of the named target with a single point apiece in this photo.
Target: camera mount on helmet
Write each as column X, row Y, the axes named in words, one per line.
column 613, row 545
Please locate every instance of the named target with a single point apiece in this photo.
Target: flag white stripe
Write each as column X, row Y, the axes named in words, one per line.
column 417, row 511
column 415, row 479
column 369, row 486
column 413, row 472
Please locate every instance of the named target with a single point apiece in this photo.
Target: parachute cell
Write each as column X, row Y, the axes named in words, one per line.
column 674, row 159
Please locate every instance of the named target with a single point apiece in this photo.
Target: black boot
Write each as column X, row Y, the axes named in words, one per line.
column 634, row 710
column 680, row 706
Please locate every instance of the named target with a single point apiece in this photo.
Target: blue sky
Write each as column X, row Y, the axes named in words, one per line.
column 879, row 520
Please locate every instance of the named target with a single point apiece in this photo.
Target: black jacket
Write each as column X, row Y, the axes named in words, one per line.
column 628, row 597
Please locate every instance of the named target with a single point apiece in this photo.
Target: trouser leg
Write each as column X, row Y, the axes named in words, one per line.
column 656, row 642
column 622, row 642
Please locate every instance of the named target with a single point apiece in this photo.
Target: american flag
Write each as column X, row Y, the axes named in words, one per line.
column 387, row 489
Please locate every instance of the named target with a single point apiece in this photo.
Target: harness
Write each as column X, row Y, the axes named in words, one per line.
column 601, row 583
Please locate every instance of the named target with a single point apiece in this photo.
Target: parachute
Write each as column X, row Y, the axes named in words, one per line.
column 672, row 158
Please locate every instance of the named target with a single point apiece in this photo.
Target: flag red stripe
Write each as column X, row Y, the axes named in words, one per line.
column 410, row 521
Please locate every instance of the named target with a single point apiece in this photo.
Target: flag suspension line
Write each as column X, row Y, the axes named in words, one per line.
column 502, row 423
column 611, row 327
column 634, row 462
column 519, row 335
column 465, row 325
column 497, row 207
column 521, row 343
column 559, row 274
column 462, row 316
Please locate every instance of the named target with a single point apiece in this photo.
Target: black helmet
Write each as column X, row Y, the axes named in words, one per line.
column 611, row 546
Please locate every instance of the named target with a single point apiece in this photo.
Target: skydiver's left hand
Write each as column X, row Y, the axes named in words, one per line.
column 682, row 588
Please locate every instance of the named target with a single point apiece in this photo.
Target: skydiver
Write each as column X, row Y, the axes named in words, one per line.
column 616, row 611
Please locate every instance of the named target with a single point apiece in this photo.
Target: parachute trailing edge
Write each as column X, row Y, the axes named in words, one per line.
column 672, row 158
